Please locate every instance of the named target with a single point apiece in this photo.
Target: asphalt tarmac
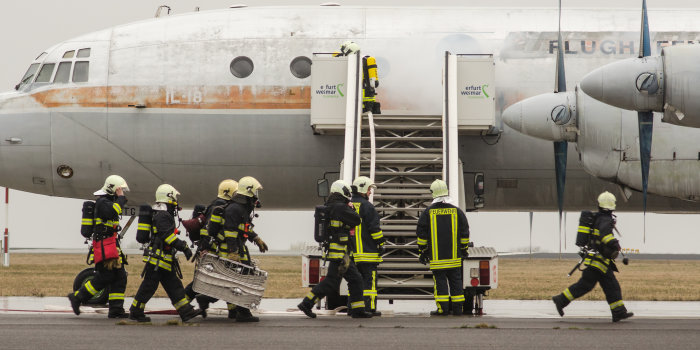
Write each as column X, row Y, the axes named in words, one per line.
column 48, row 323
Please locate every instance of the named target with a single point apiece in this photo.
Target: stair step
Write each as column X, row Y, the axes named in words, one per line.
column 404, row 191
column 411, row 127
column 408, row 173
column 404, row 196
column 396, row 222
column 391, row 210
column 402, row 161
column 394, row 185
column 404, row 138
column 433, row 150
column 404, row 117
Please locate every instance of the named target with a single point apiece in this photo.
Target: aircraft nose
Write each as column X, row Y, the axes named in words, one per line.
column 25, row 145
column 543, row 116
column 632, row 84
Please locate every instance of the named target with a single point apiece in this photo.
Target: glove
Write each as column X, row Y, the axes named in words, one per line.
column 376, row 83
column 188, row 253
column 381, row 248
column 344, row 264
column 112, row 264
column 465, row 252
column 423, row 258
column 261, row 244
column 233, row 256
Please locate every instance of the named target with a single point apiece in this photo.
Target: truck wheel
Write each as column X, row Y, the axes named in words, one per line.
column 335, row 300
column 87, row 275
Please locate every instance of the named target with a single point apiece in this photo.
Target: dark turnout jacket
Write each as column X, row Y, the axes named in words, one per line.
column 443, row 231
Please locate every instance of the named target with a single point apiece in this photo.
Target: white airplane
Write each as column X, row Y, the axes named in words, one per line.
column 194, row 98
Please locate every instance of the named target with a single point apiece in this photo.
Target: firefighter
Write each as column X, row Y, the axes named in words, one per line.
column 110, row 272
column 600, row 262
column 161, row 265
column 342, row 219
column 443, row 241
column 206, row 243
column 368, row 241
column 237, row 228
column 370, row 77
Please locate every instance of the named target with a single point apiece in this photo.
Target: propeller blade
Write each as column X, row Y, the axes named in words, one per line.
column 560, row 77
column 560, row 147
column 645, row 119
column 646, row 125
column 644, row 41
column 560, row 155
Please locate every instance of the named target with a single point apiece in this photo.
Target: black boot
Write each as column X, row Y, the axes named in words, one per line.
column 117, row 312
column 361, row 313
column 203, row 302
column 457, row 309
column 307, row 309
column 74, row 303
column 244, row 315
column 620, row 314
column 376, row 313
column 188, row 312
column 138, row 316
column 443, row 310
column 560, row 301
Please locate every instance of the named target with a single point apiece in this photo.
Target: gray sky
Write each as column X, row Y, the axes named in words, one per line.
column 29, row 27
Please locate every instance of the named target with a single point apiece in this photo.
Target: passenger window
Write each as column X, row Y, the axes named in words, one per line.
column 28, row 75
column 69, row 54
column 63, row 73
column 45, row 73
column 81, row 71
column 300, row 67
column 83, row 53
column 241, row 67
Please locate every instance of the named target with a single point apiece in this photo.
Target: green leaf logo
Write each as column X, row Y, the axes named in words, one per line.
column 339, row 91
column 483, row 90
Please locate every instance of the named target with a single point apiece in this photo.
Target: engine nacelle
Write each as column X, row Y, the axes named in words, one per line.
column 669, row 83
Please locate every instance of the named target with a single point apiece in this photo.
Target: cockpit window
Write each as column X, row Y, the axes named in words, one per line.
column 40, row 56
column 83, row 53
column 63, row 73
column 28, row 76
column 69, row 54
column 81, row 71
column 45, row 73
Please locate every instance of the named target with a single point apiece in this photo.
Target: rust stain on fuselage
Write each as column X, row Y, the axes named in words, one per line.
column 192, row 97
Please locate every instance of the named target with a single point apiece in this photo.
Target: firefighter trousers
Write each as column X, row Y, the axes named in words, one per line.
column 171, row 283
column 369, row 284
column 448, row 288
column 589, row 277
column 331, row 284
column 115, row 279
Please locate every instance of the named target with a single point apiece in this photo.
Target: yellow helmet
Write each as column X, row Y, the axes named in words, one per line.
column 248, row 186
column 227, row 188
column 363, row 184
column 606, row 200
column 349, row 47
column 111, row 184
column 439, row 188
column 166, row 194
column 341, row 187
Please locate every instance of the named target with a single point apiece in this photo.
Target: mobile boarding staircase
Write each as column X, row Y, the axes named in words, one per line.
column 403, row 154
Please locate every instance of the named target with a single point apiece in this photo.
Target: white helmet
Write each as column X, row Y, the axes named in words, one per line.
column 166, row 194
column 111, row 184
column 349, row 47
column 248, row 186
column 439, row 188
column 363, row 184
column 341, row 187
column 606, row 200
column 227, row 188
